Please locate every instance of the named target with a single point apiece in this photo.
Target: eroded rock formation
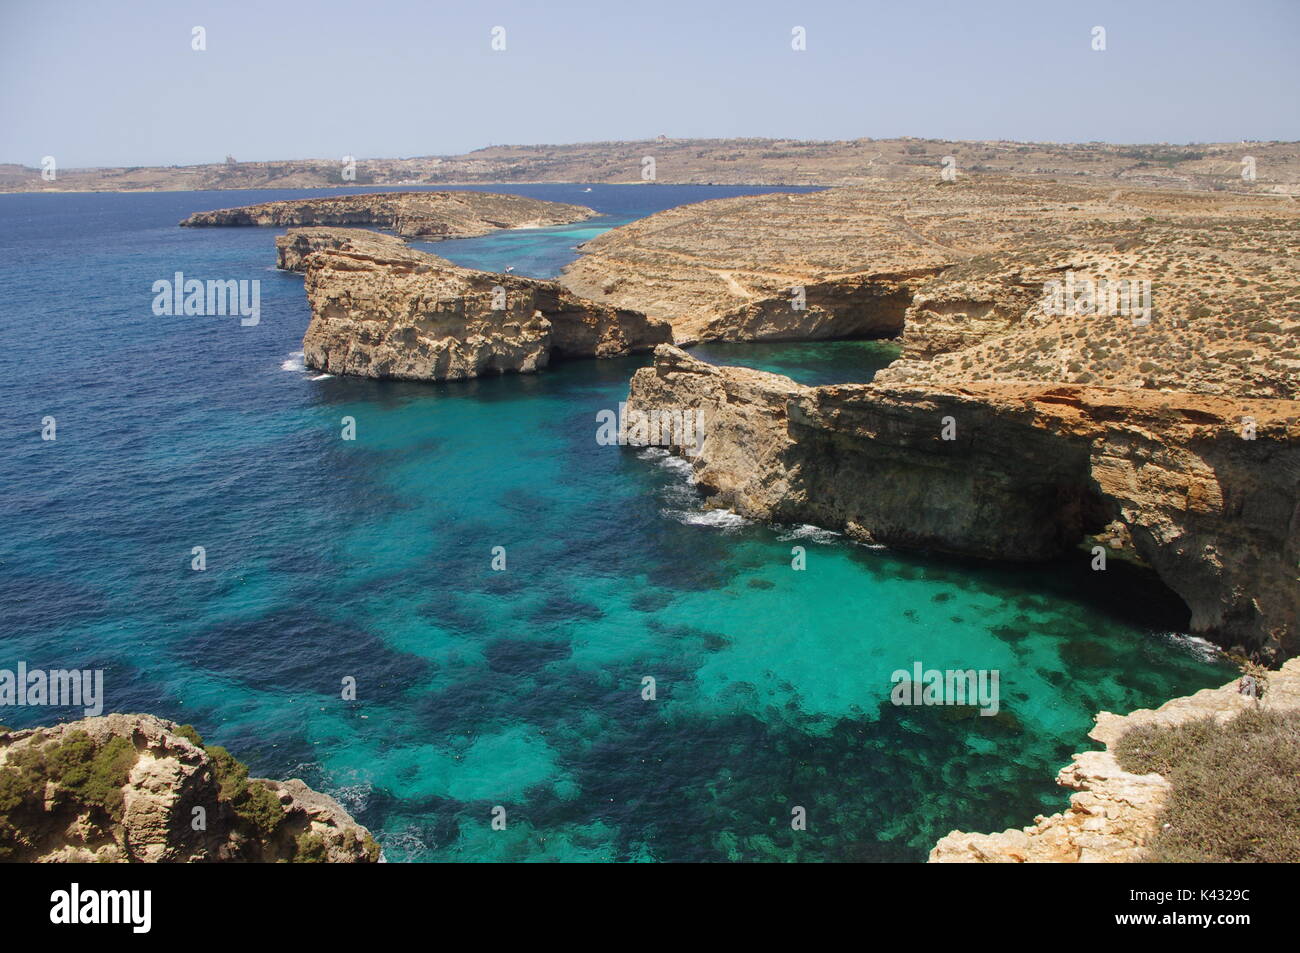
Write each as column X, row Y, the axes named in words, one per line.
column 1028, row 471
column 426, row 216
column 294, row 246
column 389, row 312
column 1115, row 813
column 135, row 788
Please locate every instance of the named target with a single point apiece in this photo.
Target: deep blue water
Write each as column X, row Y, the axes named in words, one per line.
column 371, row 559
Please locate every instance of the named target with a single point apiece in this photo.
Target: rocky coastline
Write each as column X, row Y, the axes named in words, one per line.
column 1028, row 473
column 383, row 311
column 1009, row 429
column 1114, row 813
column 140, row 789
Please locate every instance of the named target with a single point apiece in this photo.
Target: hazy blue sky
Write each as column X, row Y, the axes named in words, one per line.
column 94, row 82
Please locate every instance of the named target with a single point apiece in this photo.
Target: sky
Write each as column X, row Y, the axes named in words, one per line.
column 94, row 82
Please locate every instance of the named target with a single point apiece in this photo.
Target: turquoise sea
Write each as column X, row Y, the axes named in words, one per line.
column 522, row 689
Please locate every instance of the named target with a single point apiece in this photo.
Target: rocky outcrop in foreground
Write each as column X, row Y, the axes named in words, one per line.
column 1115, row 814
column 1028, row 472
column 425, row 216
column 135, row 788
column 387, row 312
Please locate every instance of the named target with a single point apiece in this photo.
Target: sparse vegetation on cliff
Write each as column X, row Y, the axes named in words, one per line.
column 1235, row 787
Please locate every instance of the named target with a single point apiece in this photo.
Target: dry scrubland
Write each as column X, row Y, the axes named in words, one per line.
column 958, row 271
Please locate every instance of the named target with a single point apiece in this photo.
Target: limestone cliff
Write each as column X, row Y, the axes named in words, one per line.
column 1114, row 813
column 295, row 246
column 135, row 788
column 387, row 312
column 1028, row 472
column 426, row 216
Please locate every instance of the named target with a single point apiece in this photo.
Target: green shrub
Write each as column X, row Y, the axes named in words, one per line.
column 232, row 775
column 13, row 790
column 310, row 848
column 256, row 806
column 1234, row 792
column 92, row 775
column 85, row 773
column 189, row 733
column 260, row 810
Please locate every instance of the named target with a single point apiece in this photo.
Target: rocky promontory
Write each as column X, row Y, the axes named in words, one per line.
column 389, row 312
column 1115, row 814
column 422, row 216
column 1017, row 472
column 139, row 789
column 295, row 246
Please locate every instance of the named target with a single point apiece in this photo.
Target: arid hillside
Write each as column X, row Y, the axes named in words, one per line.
column 1269, row 167
column 983, row 280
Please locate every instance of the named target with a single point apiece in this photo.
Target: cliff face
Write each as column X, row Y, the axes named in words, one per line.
column 295, row 246
column 1027, row 473
column 386, row 312
column 135, row 788
column 1115, row 813
column 427, row 216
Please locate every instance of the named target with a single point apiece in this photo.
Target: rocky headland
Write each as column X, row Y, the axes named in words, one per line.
column 139, row 789
column 1030, row 472
column 422, row 216
column 1011, row 428
column 385, row 311
column 1114, row 814
column 296, row 246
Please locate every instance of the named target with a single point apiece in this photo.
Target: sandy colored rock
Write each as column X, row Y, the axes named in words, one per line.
column 960, row 273
column 725, row 162
column 169, row 778
column 1030, row 472
column 1114, row 813
column 398, row 313
column 294, row 246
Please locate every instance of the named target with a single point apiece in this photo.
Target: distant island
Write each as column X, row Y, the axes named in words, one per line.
column 1275, row 166
column 421, row 216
